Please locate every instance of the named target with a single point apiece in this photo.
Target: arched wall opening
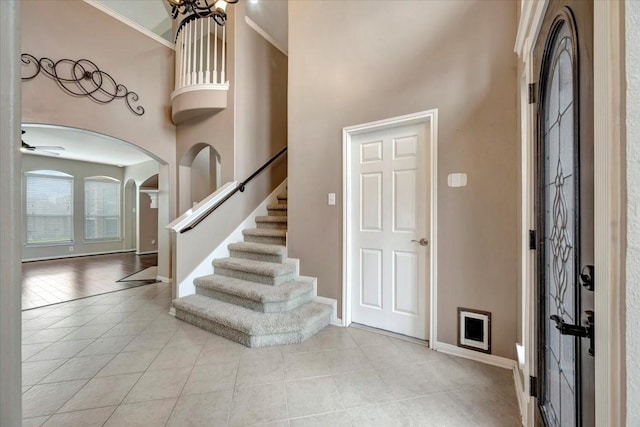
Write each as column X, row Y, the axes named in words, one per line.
column 88, row 153
column 199, row 175
column 148, row 216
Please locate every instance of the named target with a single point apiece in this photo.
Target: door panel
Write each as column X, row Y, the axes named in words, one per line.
column 390, row 272
column 563, row 61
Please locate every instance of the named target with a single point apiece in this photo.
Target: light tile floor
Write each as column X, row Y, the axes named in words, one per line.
column 120, row 359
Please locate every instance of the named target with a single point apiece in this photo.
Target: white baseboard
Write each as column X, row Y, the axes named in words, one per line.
column 489, row 359
column 522, row 399
column 338, row 322
column 334, row 304
column 146, row 253
column 164, row 279
column 77, row 255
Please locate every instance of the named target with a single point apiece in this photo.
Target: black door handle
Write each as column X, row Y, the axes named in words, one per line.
column 577, row 330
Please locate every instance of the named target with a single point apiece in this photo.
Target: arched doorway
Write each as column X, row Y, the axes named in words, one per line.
column 199, row 175
column 148, row 216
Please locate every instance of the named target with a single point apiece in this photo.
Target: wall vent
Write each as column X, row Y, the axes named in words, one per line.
column 474, row 329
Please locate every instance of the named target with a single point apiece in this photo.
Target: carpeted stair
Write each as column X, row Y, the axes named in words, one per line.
column 255, row 296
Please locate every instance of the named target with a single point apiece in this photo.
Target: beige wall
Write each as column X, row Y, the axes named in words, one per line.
column 79, row 171
column 374, row 62
column 73, row 29
column 261, row 99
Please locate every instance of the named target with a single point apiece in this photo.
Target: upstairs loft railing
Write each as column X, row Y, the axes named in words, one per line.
column 240, row 187
column 201, row 53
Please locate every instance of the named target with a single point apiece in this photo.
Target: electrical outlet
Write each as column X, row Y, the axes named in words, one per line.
column 331, row 200
column 70, row 248
column 153, row 242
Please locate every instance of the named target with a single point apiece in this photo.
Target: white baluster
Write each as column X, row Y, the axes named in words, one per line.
column 187, row 70
column 194, row 54
column 224, row 42
column 215, row 54
column 200, row 76
column 177, row 57
column 208, row 74
column 183, row 63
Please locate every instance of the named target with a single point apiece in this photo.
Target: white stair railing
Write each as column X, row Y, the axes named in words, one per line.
column 199, row 60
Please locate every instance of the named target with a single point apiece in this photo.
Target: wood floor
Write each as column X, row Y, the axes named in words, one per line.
column 55, row 281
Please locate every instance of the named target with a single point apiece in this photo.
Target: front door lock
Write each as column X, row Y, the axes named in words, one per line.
column 578, row 330
column 587, row 276
column 423, row 242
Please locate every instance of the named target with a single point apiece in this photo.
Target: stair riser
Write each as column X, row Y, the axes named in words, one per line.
column 282, row 201
column 268, row 307
column 254, row 341
column 277, row 212
column 271, row 225
column 266, row 239
column 252, row 277
column 279, row 259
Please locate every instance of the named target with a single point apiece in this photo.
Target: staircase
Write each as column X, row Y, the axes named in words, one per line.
column 256, row 297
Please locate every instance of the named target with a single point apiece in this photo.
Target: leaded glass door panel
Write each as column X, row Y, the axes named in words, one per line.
column 565, row 214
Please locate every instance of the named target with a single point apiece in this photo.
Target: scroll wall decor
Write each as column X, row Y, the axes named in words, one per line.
column 81, row 78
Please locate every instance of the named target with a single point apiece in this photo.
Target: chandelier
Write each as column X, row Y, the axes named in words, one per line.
column 215, row 9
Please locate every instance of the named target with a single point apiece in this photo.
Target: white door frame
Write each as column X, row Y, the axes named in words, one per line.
column 426, row 117
column 608, row 218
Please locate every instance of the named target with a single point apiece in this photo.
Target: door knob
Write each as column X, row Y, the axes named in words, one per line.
column 578, row 330
column 423, row 241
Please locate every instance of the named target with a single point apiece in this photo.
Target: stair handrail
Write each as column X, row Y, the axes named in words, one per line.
column 240, row 187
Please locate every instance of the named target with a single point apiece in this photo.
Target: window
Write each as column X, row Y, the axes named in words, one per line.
column 48, row 207
column 101, row 208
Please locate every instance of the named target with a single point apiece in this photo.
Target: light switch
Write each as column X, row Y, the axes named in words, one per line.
column 331, row 200
column 457, row 180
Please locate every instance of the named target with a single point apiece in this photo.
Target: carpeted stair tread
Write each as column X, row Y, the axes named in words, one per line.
column 270, row 269
column 251, row 322
column 264, row 232
column 254, row 291
column 282, row 196
column 277, row 207
column 258, row 248
column 276, row 219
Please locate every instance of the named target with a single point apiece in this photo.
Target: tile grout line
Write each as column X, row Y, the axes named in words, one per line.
column 186, row 381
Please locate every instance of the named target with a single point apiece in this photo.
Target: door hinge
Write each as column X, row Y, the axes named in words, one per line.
column 532, row 240
column 533, row 386
column 532, row 93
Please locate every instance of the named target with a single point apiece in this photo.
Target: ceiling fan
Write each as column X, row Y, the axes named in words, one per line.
column 48, row 149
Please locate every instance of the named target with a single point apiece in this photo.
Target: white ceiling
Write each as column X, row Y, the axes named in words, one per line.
column 273, row 17
column 83, row 145
column 151, row 14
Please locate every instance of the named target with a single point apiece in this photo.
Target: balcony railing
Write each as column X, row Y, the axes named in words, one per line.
column 201, row 54
column 201, row 84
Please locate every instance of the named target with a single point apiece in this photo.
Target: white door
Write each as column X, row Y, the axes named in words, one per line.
column 390, row 222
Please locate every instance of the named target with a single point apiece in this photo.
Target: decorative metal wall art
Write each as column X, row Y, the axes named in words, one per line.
column 81, row 78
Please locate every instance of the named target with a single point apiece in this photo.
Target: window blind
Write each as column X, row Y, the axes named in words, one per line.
column 49, row 207
column 102, row 208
